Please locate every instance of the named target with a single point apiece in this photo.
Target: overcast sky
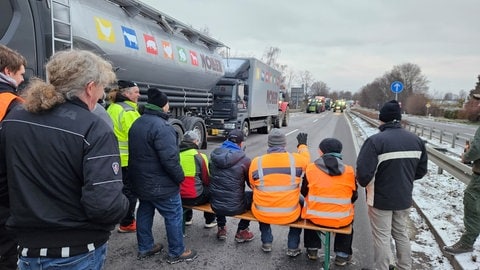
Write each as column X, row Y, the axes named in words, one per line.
column 347, row 44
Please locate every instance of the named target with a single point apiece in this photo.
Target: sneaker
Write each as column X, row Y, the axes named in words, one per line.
column 187, row 256
column 458, row 248
column 129, row 228
column 293, row 252
column 341, row 261
column 244, row 236
column 222, row 233
column 156, row 249
column 267, row 247
column 188, row 222
column 312, row 253
column 211, row 224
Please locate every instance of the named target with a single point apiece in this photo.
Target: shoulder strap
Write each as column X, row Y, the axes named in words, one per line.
column 203, row 169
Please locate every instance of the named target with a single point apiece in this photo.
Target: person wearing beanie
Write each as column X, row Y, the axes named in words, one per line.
column 123, row 111
column 328, row 177
column 275, row 169
column 156, row 175
column 387, row 165
column 390, row 112
column 471, row 203
column 194, row 189
column 228, row 175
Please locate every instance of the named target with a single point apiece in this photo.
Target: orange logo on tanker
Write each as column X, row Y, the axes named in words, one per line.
column 104, row 29
column 151, row 44
column 167, row 50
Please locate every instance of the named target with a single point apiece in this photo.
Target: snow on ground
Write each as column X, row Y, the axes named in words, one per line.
column 440, row 198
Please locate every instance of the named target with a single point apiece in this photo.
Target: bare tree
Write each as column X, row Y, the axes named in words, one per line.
column 270, row 57
column 306, row 79
column 319, row 88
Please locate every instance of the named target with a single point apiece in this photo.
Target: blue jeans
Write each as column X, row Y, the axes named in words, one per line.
column 171, row 210
column 87, row 261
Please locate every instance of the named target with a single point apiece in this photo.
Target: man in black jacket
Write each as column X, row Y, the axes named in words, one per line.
column 12, row 69
column 63, row 167
column 387, row 165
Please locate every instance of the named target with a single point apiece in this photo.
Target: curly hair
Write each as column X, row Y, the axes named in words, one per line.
column 68, row 74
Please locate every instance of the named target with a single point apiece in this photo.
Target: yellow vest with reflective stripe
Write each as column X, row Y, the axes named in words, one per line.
column 123, row 114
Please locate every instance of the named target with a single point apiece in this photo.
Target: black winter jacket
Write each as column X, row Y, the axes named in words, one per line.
column 64, row 179
column 228, row 174
column 387, row 165
column 154, row 162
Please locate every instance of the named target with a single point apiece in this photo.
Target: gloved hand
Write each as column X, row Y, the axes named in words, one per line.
column 302, row 138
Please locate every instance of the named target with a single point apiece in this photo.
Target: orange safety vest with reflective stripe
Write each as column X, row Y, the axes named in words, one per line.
column 275, row 179
column 329, row 199
column 6, row 99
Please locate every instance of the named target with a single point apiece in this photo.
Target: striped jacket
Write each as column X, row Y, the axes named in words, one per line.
column 387, row 165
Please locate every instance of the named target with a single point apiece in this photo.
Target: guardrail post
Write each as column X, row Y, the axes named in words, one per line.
column 441, row 136
column 415, row 130
column 439, row 170
column 431, row 132
column 423, row 128
column 454, row 137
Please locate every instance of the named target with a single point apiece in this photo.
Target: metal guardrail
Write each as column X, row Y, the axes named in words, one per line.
column 457, row 169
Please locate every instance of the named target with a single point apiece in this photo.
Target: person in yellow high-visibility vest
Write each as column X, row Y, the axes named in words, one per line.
column 124, row 111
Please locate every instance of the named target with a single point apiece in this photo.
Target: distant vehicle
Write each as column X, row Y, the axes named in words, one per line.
column 328, row 104
column 248, row 97
column 340, row 105
column 316, row 104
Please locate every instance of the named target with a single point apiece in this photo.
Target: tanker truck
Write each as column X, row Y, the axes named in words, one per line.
column 248, row 97
column 143, row 44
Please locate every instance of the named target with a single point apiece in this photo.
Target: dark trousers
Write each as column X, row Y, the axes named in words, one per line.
column 202, row 199
column 8, row 250
column 243, row 223
column 132, row 199
column 343, row 242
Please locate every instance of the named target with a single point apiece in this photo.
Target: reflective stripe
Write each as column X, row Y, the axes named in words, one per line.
column 292, row 168
column 24, row 252
column 277, row 170
column 399, row 155
column 293, row 174
column 91, row 247
column 65, row 252
column 123, row 151
column 276, row 209
column 330, row 200
column 260, row 172
column 43, row 252
column 328, row 214
column 123, row 143
column 278, row 188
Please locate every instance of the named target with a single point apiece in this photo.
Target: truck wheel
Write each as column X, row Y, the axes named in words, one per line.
column 245, row 128
column 178, row 126
column 197, row 125
column 286, row 118
column 266, row 129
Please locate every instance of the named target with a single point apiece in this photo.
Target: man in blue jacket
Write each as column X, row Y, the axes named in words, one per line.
column 387, row 165
column 156, row 175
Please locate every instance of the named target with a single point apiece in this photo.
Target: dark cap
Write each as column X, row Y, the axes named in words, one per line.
column 330, row 145
column 122, row 84
column 157, row 97
column 390, row 111
column 235, row 136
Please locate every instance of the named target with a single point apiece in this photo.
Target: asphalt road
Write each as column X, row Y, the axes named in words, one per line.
column 214, row 254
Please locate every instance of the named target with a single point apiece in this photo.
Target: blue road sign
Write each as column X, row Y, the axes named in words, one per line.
column 396, row 87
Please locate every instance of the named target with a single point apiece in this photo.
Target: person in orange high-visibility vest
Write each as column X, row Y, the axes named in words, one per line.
column 330, row 190
column 12, row 70
column 275, row 179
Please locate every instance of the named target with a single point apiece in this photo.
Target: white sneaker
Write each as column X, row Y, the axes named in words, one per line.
column 211, row 224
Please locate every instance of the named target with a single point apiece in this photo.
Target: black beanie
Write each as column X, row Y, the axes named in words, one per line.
column 122, row 84
column 390, row 111
column 157, row 97
column 330, row 145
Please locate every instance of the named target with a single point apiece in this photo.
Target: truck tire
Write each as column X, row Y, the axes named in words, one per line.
column 179, row 128
column 197, row 125
column 266, row 129
column 245, row 128
column 286, row 118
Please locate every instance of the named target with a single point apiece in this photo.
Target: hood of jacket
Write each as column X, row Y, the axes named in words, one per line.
column 331, row 165
column 184, row 146
column 227, row 155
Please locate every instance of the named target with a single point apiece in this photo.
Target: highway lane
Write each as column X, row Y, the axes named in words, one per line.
column 214, row 254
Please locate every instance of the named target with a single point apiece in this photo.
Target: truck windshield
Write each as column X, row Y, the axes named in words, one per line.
column 6, row 17
column 223, row 92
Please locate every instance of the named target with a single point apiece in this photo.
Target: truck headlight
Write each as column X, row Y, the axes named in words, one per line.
column 229, row 126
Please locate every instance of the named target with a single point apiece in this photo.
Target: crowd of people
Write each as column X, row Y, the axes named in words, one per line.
column 67, row 202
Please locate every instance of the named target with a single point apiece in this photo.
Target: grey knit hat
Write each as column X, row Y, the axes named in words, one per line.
column 276, row 138
column 191, row 136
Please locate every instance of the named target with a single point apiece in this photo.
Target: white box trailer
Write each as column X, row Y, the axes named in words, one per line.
column 248, row 97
